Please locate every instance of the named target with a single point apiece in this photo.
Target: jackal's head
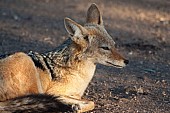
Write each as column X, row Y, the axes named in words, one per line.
column 96, row 44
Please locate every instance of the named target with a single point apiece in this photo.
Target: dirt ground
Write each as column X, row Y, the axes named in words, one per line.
column 140, row 28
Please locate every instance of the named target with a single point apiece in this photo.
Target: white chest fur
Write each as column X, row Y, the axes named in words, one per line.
column 74, row 80
column 80, row 77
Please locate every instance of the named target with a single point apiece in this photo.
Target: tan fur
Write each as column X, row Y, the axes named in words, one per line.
column 17, row 76
column 76, row 82
column 90, row 44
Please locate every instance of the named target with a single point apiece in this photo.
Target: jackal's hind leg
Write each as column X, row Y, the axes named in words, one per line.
column 78, row 106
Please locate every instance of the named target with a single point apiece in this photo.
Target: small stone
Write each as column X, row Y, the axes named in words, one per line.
column 130, row 53
column 163, row 81
column 16, row 17
column 163, row 93
column 150, row 52
column 140, row 90
column 4, row 14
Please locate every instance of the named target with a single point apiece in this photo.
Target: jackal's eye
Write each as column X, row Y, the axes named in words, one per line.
column 105, row 48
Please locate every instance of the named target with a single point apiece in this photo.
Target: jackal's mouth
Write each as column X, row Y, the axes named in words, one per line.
column 117, row 66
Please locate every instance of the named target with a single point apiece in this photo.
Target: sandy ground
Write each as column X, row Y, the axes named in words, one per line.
column 140, row 28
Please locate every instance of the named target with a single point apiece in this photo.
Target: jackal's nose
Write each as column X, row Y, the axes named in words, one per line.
column 126, row 62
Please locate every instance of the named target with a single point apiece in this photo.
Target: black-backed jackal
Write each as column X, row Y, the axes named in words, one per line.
column 55, row 81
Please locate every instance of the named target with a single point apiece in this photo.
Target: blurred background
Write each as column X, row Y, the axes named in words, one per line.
column 140, row 28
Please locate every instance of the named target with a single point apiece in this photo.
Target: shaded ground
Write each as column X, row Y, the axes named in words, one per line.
column 141, row 29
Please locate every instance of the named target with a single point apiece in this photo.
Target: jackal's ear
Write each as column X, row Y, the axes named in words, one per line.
column 73, row 28
column 77, row 32
column 93, row 15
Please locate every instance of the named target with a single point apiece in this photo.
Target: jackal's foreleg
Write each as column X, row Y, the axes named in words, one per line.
column 77, row 105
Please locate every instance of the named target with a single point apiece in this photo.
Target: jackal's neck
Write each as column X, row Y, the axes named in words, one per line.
column 64, row 55
column 67, row 55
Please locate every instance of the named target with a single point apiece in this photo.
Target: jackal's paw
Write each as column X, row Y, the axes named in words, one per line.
column 84, row 106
